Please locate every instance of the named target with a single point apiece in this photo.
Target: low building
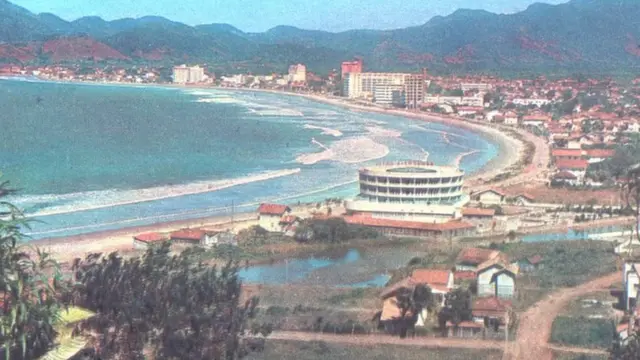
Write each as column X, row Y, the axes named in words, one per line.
column 465, row 329
column 495, row 278
column 470, row 258
column 531, row 263
column 482, row 218
column 524, row 200
column 188, row 237
column 144, row 241
column 269, row 216
column 289, row 224
column 446, row 230
column 492, row 311
column 565, row 178
column 215, row 238
column 511, row 118
column 576, row 167
column 490, row 197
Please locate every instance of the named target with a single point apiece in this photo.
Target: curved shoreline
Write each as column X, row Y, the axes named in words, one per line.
column 509, row 153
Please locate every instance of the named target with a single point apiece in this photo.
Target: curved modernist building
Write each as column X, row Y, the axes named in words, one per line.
column 411, row 191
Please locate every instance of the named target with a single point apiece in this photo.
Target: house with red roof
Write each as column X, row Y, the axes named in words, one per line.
column 524, row 199
column 492, row 311
column 440, row 282
column 469, row 259
column 566, row 154
column 144, row 241
column 576, row 167
column 188, row 237
column 391, row 227
column 482, row 218
column 269, row 216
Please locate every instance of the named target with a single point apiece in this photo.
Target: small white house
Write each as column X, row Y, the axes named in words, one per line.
column 490, row 197
column 510, row 118
column 497, row 279
column 269, row 216
column 215, row 238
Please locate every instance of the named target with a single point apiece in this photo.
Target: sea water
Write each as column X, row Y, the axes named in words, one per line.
column 90, row 158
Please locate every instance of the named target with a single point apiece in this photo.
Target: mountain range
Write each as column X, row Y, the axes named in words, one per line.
column 581, row 35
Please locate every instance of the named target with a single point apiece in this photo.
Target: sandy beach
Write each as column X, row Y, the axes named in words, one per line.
column 511, row 150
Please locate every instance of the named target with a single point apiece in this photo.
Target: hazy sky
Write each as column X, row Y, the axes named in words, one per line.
column 260, row 15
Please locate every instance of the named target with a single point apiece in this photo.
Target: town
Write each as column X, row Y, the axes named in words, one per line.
column 486, row 273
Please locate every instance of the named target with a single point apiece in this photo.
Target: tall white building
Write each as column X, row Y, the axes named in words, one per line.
column 297, row 73
column 184, row 74
column 389, row 94
column 363, row 85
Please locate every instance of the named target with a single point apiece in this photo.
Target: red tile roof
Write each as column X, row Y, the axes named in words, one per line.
column 273, row 209
column 401, row 224
column 150, row 237
column 188, row 234
column 476, row 256
column 478, row 212
column 489, row 306
column 566, row 152
column 464, row 275
column 571, row 164
column 527, row 196
column 622, row 327
column 600, row 153
column 431, row 276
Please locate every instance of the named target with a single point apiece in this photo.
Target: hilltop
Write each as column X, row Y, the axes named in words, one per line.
column 581, row 35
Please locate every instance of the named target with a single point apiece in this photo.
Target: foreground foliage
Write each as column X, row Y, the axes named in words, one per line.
column 170, row 307
column 30, row 283
column 583, row 332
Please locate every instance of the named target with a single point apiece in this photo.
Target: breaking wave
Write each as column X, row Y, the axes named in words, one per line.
column 92, row 200
column 326, row 131
column 348, row 151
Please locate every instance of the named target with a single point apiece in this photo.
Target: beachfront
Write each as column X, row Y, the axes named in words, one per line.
column 510, row 153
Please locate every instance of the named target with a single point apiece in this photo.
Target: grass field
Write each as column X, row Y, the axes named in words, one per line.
column 583, row 332
column 292, row 350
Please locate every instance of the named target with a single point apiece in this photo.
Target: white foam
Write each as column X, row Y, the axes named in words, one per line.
column 348, row 151
column 109, row 198
column 378, row 131
column 326, row 131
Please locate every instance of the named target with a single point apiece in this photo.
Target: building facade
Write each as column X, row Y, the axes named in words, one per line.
column 354, row 66
column 389, row 94
column 184, row 74
column 475, row 86
column 297, row 73
column 362, row 85
column 410, row 191
column 414, row 90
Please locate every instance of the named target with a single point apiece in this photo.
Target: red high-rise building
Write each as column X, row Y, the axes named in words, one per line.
column 354, row 66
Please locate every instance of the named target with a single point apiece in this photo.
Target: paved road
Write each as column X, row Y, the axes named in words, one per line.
column 534, row 329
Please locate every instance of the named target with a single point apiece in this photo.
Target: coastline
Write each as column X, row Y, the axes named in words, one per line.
column 510, row 151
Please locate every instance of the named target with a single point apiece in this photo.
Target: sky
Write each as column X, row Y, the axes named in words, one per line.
column 261, row 15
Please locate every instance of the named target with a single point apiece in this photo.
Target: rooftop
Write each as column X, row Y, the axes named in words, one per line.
column 412, row 169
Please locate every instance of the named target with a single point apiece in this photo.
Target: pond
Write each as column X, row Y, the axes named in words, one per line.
column 347, row 268
column 572, row 234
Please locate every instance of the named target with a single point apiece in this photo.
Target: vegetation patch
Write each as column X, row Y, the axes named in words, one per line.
column 583, row 332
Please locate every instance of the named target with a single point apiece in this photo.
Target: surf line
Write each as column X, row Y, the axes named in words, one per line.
column 314, row 141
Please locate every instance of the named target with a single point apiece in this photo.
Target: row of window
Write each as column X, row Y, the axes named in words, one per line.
column 439, row 201
column 410, row 191
column 398, row 181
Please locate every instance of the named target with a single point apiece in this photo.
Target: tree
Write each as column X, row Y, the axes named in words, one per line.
column 31, row 284
column 173, row 307
column 457, row 307
column 413, row 301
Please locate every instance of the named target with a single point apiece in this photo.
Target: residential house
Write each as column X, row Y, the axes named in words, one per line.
column 188, row 237
column 576, row 167
column 269, row 216
column 289, row 224
column 535, row 120
column 215, row 238
column 480, row 217
column 492, row 311
column 531, row 263
column 599, row 155
column 470, row 258
column 440, row 282
column 511, row 118
column 144, row 241
column 565, row 178
column 496, row 278
column 490, row 197
column 524, row 199
column 566, row 154
column 576, row 142
column 469, row 110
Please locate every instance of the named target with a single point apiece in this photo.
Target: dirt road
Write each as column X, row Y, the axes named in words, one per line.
column 534, row 330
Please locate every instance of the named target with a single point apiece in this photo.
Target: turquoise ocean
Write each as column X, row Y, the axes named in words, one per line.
column 90, row 158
